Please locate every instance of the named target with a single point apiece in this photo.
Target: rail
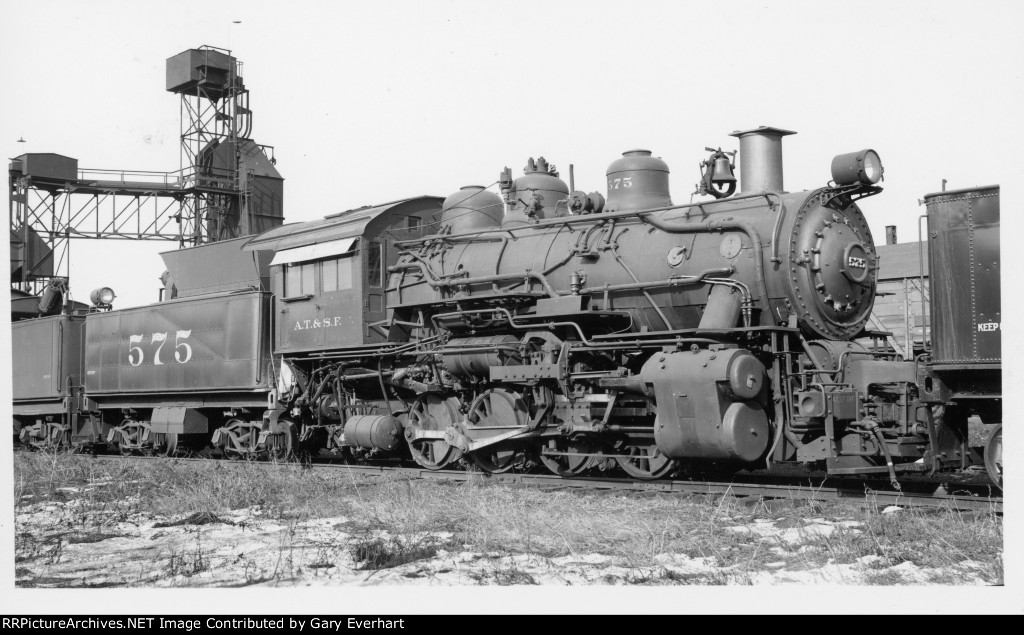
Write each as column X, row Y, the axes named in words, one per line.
column 938, row 498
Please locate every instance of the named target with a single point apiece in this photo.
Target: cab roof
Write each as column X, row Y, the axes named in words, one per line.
column 350, row 223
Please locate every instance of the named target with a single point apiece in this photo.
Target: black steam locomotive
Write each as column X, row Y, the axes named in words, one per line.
column 548, row 327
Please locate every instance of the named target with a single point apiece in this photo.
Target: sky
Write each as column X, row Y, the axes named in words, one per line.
column 367, row 102
column 370, row 102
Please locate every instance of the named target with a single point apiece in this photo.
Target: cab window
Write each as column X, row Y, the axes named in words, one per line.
column 298, row 279
column 336, row 274
column 374, row 270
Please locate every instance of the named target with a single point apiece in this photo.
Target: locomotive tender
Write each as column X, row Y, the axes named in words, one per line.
column 544, row 326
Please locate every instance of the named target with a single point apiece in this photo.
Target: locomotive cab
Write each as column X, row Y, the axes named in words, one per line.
column 329, row 275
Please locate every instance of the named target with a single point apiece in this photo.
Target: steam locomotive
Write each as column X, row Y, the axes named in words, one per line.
column 546, row 327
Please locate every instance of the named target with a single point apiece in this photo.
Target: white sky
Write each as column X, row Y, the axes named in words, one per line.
column 367, row 102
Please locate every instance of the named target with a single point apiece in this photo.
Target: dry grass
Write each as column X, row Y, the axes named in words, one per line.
column 178, row 487
column 393, row 521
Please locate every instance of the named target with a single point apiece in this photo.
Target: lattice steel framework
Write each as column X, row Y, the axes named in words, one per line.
column 51, row 213
column 214, row 109
column 189, row 206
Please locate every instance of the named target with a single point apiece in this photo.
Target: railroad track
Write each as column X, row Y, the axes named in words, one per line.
column 962, row 499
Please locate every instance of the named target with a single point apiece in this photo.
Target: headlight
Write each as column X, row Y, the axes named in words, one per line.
column 857, row 167
column 104, row 296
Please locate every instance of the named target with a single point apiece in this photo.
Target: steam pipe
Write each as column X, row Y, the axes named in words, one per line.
column 436, row 283
column 670, row 282
column 719, row 226
column 512, row 322
column 585, row 218
column 657, row 309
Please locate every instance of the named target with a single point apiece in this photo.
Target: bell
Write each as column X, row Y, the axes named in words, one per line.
column 722, row 174
column 716, row 177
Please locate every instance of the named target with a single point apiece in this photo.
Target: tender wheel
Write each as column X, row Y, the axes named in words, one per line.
column 562, row 456
column 645, row 462
column 432, row 413
column 58, row 437
column 238, row 439
column 994, row 456
column 281, row 446
column 129, row 440
column 492, row 413
column 166, row 445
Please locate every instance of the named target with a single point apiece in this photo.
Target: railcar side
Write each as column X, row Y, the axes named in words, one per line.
column 48, row 367
column 963, row 371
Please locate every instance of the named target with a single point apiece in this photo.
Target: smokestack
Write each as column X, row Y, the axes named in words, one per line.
column 761, row 158
column 890, row 234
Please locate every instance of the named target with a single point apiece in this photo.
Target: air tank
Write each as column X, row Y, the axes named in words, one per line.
column 637, row 181
column 472, row 208
column 373, row 432
column 536, row 195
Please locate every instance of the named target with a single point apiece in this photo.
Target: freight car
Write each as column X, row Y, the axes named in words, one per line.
column 50, row 406
column 544, row 327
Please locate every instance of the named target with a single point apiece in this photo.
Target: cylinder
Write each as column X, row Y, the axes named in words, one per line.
column 745, row 432
column 699, row 420
column 637, row 181
column 328, row 408
column 373, row 432
column 722, row 310
column 481, row 354
column 472, row 208
column 761, row 159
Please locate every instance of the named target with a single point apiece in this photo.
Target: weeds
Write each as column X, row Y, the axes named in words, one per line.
column 198, row 518
column 372, row 554
column 187, row 564
column 92, row 537
column 386, row 522
column 513, row 576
